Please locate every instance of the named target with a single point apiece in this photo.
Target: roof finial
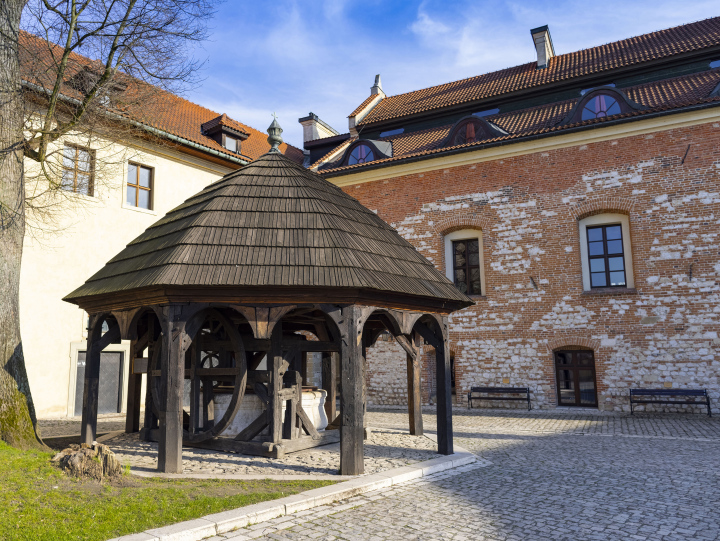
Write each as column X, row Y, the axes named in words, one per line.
column 274, row 137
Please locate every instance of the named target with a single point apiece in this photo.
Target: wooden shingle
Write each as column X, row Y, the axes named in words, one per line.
column 271, row 223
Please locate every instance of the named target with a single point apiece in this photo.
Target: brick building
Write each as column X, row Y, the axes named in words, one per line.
column 576, row 198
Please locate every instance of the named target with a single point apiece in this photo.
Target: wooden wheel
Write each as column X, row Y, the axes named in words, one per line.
column 214, row 363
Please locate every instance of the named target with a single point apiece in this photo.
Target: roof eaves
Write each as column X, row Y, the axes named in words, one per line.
column 156, row 131
column 530, row 136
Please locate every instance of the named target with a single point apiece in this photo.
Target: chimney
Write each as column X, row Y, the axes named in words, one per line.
column 377, row 87
column 543, row 45
column 314, row 128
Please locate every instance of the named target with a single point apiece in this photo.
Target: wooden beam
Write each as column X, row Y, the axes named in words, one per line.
column 352, row 373
column 275, row 363
column 172, row 363
column 414, row 391
column 95, row 345
column 132, row 415
column 329, row 383
column 430, row 337
column 253, row 429
column 151, row 420
column 444, row 398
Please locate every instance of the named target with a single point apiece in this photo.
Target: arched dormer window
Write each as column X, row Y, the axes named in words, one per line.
column 366, row 151
column 601, row 102
column 472, row 129
column 361, row 154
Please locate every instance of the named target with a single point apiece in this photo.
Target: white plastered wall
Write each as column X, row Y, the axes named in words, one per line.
column 88, row 233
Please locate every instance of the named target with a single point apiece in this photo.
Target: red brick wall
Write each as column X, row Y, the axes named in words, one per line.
column 528, row 209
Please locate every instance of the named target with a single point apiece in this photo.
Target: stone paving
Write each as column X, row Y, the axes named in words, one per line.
column 50, row 428
column 384, row 449
column 559, row 475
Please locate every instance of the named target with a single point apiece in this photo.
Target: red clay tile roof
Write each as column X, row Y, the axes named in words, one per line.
column 225, row 121
column 364, row 104
column 655, row 97
column 342, row 145
column 627, row 52
column 171, row 113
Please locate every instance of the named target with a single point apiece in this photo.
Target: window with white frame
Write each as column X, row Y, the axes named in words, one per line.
column 605, row 252
column 464, row 263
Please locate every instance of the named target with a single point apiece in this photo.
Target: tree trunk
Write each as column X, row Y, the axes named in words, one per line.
column 17, row 414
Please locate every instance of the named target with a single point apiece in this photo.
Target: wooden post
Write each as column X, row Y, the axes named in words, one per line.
column 329, row 384
column 95, row 344
column 414, row 391
column 352, row 374
column 275, row 361
column 132, row 415
column 88, row 428
column 444, row 396
column 172, row 367
column 150, row 422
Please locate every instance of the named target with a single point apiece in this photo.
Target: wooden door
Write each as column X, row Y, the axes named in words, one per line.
column 575, row 373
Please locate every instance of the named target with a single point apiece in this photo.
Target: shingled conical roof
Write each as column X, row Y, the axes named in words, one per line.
column 272, row 224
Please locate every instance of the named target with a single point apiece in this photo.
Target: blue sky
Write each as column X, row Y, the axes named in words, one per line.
column 294, row 57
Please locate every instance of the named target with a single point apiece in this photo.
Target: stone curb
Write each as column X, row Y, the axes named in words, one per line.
column 227, row 521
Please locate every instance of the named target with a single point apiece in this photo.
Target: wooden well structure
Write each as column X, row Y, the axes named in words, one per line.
column 230, row 291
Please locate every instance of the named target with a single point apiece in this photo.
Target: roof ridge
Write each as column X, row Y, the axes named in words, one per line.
column 556, row 56
column 544, row 78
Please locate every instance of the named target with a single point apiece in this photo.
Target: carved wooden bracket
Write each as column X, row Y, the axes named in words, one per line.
column 263, row 319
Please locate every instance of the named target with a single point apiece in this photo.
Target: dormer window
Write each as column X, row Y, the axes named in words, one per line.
column 471, row 130
column 600, row 106
column 361, row 154
column 230, row 143
column 226, row 132
column 599, row 103
column 365, row 151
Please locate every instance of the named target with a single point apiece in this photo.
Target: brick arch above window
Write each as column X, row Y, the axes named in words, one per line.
column 456, row 223
column 568, row 341
column 601, row 205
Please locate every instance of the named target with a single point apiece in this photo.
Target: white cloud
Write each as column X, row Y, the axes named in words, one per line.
column 297, row 56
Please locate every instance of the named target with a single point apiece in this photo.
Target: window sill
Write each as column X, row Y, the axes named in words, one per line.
column 478, row 297
column 140, row 209
column 611, row 291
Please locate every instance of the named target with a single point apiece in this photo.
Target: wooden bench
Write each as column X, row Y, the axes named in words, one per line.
column 661, row 397
column 479, row 393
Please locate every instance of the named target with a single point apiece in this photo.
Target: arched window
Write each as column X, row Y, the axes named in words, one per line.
column 599, row 106
column 601, row 102
column 366, row 151
column 472, row 129
column 361, row 154
column 467, row 133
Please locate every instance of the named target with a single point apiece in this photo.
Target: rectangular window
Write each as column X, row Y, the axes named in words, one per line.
column 466, row 266
column 78, row 170
column 605, row 255
column 139, row 186
column 230, row 143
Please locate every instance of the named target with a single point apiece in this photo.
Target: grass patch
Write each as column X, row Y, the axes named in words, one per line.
column 38, row 502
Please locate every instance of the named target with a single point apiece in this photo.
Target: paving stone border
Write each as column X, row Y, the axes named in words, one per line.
column 227, row 521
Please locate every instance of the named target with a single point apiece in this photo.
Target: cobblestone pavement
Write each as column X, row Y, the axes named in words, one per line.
column 50, row 428
column 384, row 449
column 542, row 476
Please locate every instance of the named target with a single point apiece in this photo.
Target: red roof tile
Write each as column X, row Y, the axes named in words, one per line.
column 623, row 53
column 364, row 104
column 655, row 97
column 170, row 113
